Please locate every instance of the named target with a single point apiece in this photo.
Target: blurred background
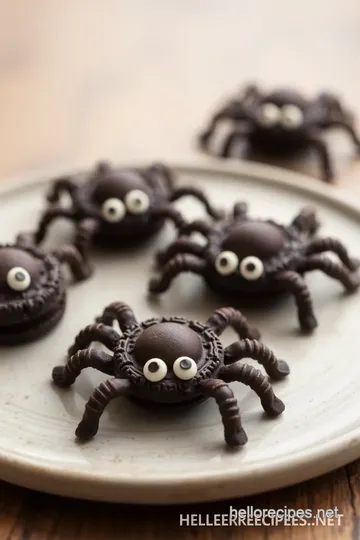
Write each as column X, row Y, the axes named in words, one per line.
column 130, row 79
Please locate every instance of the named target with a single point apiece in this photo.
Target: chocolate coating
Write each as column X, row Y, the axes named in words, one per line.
column 168, row 341
column 117, row 185
column 11, row 257
column 257, row 238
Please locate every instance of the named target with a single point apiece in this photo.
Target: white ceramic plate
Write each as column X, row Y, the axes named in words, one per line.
column 145, row 457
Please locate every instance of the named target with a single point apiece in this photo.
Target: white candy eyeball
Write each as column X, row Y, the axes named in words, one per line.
column 226, row 263
column 269, row 114
column 291, row 116
column 113, row 210
column 155, row 370
column 18, row 279
column 137, row 201
column 185, row 368
column 251, row 268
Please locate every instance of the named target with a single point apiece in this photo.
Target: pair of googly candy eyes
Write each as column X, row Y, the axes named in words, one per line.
column 184, row 368
column 18, row 279
column 288, row 116
column 250, row 268
column 135, row 202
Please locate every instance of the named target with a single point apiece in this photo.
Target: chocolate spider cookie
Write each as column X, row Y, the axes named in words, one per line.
column 246, row 256
column 116, row 206
column 282, row 123
column 32, row 290
column 171, row 361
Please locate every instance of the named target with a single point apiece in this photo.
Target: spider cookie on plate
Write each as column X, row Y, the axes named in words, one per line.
column 243, row 255
column 32, row 290
column 117, row 206
column 171, row 361
column 282, row 122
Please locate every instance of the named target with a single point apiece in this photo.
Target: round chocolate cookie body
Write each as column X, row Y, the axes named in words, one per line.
column 166, row 358
column 32, row 294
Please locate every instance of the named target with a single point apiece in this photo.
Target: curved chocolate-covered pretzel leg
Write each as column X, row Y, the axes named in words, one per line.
column 294, row 283
column 94, row 332
column 103, row 394
column 85, row 231
column 240, row 209
column 228, row 316
column 325, row 160
column 54, row 212
column 233, row 111
column 348, row 127
column 169, row 212
column 25, row 239
column 178, row 265
column 198, row 194
column 306, row 222
column 65, row 376
column 246, row 374
column 70, row 255
column 332, row 244
column 237, row 134
column 160, row 171
column 350, row 280
column 181, row 245
column 120, row 312
column 61, row 185
column 197, row 226
column 229, row 410
column 249, row 348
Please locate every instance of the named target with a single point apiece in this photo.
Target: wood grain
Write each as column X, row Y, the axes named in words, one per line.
column 82, row 80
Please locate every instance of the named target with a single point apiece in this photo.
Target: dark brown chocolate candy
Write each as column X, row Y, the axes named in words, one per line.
column 244, row 256
column 172, row 361
column 281, row 123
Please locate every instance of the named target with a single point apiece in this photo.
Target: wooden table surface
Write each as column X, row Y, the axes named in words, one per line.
column 82, row 80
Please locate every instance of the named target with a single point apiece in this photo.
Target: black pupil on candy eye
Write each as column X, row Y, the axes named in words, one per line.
column 20, row 276
column 185, row 364
column 153, row 367
column 250, row 267
column 223, row 261
column 137, row 202
column 112, row 210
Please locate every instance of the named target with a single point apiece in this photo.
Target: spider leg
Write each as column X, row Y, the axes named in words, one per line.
column 249, row 348
column 349, row 128
column 332, row 244
column 246, row 374
column 94, row 332
column 120, row 312
column 249, row 94
column 54, row 212
column 169, row 212
column 229, row 410
column 233, row 111
column 324, row 156
column 70, row 255
column 240, row 209
column 177, row 265
column 62, row 185
column 181, row 245
column 306, row 222
column 85, row 232
column 200, row 196
column 159, row 171
column 198, row 226
column 237, row 134
column 65, row 376
column 292, row 282
column 103, row 394
column 350, row 280
column 228, row 316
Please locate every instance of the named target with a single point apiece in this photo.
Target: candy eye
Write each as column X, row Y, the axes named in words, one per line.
column 291, row 116
column 113, row 210
column 155, row 370
column 18, row 279
column 137, row 201
column 269, row 114
column 185, row 368
column 251, row 268
column 226, row 263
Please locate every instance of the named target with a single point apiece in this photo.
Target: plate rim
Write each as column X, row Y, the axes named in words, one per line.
column 331, row 454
